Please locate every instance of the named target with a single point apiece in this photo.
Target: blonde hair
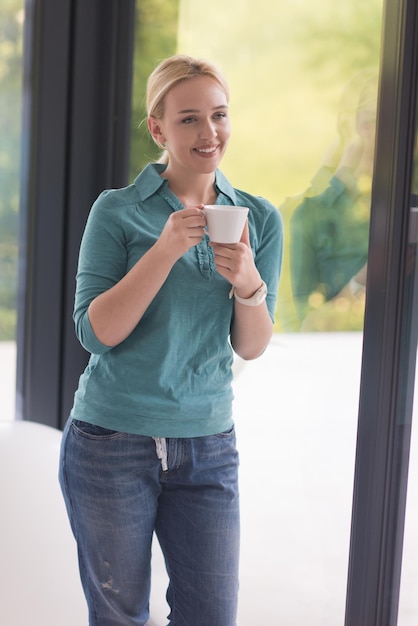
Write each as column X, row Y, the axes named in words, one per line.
column 171, row 72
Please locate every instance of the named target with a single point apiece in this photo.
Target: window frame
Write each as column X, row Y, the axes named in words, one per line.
column 76, row 136
column 389, row 340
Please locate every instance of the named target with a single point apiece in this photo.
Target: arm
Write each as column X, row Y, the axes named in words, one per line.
column 252, row 326
column 251, row 330
column 114, row 313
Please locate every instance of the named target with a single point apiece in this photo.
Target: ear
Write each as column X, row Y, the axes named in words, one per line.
column 155, row 130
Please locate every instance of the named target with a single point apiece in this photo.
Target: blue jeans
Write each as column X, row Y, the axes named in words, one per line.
column 117, row 494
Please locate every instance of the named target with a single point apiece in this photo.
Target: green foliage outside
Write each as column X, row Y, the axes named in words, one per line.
column 156, row 39
column 287, row 62
column 11, row 18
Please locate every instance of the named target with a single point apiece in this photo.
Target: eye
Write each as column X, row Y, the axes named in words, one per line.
column 219, row 115
column 188, row 120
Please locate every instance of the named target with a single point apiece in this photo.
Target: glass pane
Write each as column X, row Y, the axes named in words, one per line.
column 408, row 603
column 155, row 38
column 11, row 36
column 303, row 80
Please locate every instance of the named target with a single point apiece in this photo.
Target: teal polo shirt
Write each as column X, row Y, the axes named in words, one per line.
column 171, row 377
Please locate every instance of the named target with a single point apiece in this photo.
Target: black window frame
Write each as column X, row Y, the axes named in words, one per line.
column 389, row 340
column 76, row 127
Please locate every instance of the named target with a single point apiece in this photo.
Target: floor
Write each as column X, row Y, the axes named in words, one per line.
column 296, row 417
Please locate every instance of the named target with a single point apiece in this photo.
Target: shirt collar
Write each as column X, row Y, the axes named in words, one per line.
column 224, row 187
column 150, row 181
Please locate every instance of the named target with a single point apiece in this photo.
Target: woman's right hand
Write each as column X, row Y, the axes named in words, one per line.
column 115, row 313
column 183, row 230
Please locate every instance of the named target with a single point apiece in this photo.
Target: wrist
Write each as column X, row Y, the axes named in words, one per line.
column 245, row 293
column 254, row 298
column 249, row 289
column 356, row 287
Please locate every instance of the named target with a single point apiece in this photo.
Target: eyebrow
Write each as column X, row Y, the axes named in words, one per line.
column 183, row 111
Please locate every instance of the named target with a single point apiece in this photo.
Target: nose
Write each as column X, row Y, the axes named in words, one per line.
column 207, row 130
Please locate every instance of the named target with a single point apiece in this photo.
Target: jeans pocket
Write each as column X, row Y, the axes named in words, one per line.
column 92, row 431
column 227, row 433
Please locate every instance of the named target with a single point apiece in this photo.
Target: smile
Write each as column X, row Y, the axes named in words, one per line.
column 207, row 150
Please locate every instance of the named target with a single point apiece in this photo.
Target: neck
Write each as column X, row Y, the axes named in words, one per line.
column 192, row 190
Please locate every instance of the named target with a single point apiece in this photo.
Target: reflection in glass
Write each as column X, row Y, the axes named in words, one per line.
column 329, row 226
column 11, row 23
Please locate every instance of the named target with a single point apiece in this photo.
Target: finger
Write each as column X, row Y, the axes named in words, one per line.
column 222, row 248
column 245, row 237
column 224, row 263
column 224, row 258
column 223, row 254
column 191, row 210
column 194, row 221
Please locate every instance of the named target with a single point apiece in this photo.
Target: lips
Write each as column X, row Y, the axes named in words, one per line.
column 210, row 150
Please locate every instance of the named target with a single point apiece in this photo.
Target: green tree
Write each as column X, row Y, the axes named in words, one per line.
column 342, row 41
column 11, row 43
column 155, row 39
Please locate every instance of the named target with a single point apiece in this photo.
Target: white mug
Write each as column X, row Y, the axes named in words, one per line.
column 225, row 223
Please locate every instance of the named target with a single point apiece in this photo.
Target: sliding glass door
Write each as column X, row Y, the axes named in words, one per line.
column 324, row 125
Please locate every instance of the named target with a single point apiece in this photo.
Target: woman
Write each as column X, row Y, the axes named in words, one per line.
column 150, row 443
column 329, row 227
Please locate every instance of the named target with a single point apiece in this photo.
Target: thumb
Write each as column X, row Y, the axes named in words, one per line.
column 245, row 237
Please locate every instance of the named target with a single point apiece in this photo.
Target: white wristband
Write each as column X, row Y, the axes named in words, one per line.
column 257, row 298
column 356, row 287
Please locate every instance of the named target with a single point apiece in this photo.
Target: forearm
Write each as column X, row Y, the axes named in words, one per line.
column 115, row 313
column 347, row 176
column 251, row 330
column 252, row 326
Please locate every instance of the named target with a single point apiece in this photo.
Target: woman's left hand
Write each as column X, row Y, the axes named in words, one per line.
column 235, row 262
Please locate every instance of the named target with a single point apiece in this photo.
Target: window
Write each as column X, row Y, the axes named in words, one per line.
column 11, row 43
column 299, row 414
column 302, row 82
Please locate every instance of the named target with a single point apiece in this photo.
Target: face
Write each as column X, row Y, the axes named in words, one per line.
column 195, row 127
